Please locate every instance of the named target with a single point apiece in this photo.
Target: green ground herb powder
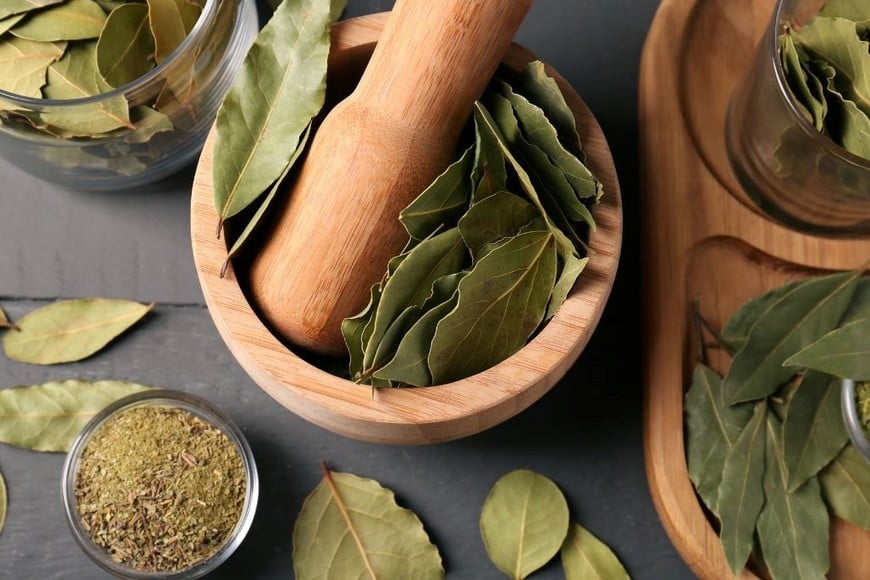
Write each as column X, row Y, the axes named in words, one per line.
column 159, row 488
column 862, row 397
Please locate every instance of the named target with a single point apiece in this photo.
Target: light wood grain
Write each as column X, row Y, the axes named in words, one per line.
column 704, row 240
column 421, row 415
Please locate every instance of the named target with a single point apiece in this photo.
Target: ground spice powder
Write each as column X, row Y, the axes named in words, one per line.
column 159, row 488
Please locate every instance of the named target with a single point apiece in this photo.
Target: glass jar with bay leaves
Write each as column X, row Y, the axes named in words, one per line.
column 160, row 484
column 123, row 103
column 798, row 128
column 855, row 405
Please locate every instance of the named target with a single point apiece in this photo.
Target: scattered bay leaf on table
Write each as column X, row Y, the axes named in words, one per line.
column 798, row 319
column 813, row 432
column 712, row 429
column 585, row 557
column 793, row 526
column 170, row 21
column 4, row 502
column 524, row 522
column 24, row 65
column 737, row 329
column 351, row 527
column 855, row 10
column 846, row 487
column 71, row 330
column 741, row 491
column 48, row 417
column 125, row 46
column 278, row 90
column 543, row 90
column 4, row 320
column 10, row 7
column 72, row 20
column 844, row 352
column 501, row 215
column 514, row 281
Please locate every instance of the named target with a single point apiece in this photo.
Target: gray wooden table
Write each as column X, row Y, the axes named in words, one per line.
column 585, row 434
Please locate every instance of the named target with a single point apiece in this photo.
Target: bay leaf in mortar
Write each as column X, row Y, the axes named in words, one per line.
column 524, row 522
column 125, row 45
column 71, row 330
column 354, row 525
column 585, row 557
column 572, row 267
column 48, row 417
column 542, row 90
column 739, row 326
column 846, row 487
column 844, row 352
column 489, row 174
column 170, row 21
column 10, row 7
column 24, row 65
column 72, row 20
column 353, row 331
column 498, row 216
column 386, row 347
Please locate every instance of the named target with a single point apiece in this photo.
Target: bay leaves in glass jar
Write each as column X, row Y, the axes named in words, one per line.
column 24, row 65
column 524, row 522
column 586, row 557
column 10, row 7
column 170, row 21
column 848, row 124
column 805, row 87
column 148, row 122
column 125, row 46
column 48, row 417
column 846, row 487
column 354, row 525
column 844, row 352
column 71, row 330
column 855, row 10
column 72, row 20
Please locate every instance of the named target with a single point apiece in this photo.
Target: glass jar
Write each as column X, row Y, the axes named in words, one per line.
column 794, row 173
column 54, row 139
column 197, row 407
column 852, row 419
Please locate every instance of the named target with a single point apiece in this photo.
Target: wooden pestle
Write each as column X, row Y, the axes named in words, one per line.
column 374, row 153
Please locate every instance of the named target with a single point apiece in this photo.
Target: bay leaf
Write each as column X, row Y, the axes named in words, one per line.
column 4, row 502
column 24, row 65
column 72, row 20
column 572, row 267
column 739, row 326
column 352, row 330
column 170, row 21
column 500, row 215
column 860, row 305
column 846, row 487
column 844, row 352
column 353, row 527
column 442, row 202
column 9, row 22
column 502, row 300
column 796, row 320
column 741, row 492
column 71, row 330
column 585, row 557
column 386, row 347
column 712, row 429
column 5, row 322
column 847, row 124
column 125, row 45
column 148, row 122
column 10, row 7
column 279, row 89
column 793, row 526
column 813, row 431
column 490, row 174
column 815, row 106
column 48, row 417
column 854, row 10
column 524, row 522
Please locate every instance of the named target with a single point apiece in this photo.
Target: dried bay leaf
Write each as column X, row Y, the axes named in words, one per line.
column 849, row 125
column 353, row 331
column 572, row 267
column 799, row 81
column 48, row 417
column 500, row 215
column 170, row 21
column 793, row 526
column 148, row 122
column 9, row 22
column 585, row 557
column 278, row 90
column 10, row 7
column 844, row 352
column 4, row 502
column 5, row 322
column 125, row 46
column 542, row 90
column 71, row 20
column 352, row 527
column 24, row 65
column 739, row 326
column 71, row 330
column 712, row 429
column 524, row 522
column 846, row 487
column 490, row 174
column 855, row 10
column 796, row 320
column 741, row 491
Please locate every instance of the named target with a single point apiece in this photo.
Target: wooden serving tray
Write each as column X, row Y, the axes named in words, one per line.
column 704, row 241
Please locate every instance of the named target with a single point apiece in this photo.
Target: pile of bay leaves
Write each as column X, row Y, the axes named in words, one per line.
column 767, row 448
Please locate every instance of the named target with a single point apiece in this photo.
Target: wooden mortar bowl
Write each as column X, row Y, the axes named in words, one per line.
column 411, row 415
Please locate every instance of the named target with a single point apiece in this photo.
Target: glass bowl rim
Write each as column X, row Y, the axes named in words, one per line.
column 198, row 407
column 850, row 416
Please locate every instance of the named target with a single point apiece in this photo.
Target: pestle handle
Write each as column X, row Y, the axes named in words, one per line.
column 373, row 153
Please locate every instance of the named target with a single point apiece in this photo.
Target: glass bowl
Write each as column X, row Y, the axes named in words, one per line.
column 792, row 172
column 853, row 422
column 191, row 84
column 205, row 411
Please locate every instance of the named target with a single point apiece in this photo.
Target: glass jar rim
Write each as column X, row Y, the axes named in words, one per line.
column 198, row 407
column 198, row 30
column 792, row 105
column 849, row 408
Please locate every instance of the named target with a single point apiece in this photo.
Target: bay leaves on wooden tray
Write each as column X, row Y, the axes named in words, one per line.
column 543, row 90
column 741, row 491
column 712, row 429
column 802, row 84
column 4, row 320
column 48, row 417
column 353, row 328
column 353, row 525
column 281, row 86
column 9, row 22
column 489, row 174
column 796, row 320
column 71, row 330
column 524, row 522
column 10, row 7
column 171, row 21
column 125, row 46
column 501, row 215
column 813, row 431
column 739, row 326
column 855, row 10
column 442, row 202
column 4, row 502
column 844, row 352
column 502, row 301
column 72, row 20
column 148, row 122
column 585, row 557
column 793, row 526
column 860, row 306
column 24, row 65
column 846, row 487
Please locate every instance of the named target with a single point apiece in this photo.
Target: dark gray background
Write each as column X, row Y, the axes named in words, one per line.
column 585, row 434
